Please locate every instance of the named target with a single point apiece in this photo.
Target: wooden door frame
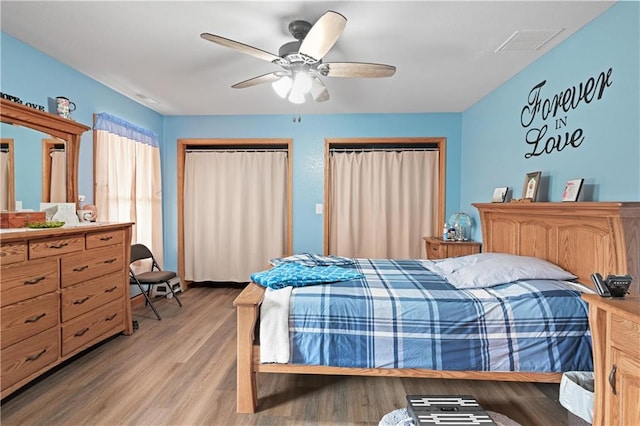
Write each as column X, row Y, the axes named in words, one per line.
column 183, row 144
column 440, row 142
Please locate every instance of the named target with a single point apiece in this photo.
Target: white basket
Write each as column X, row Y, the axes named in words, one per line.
column 576, row 394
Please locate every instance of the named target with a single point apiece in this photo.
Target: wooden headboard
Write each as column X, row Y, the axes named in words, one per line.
column 581, row 237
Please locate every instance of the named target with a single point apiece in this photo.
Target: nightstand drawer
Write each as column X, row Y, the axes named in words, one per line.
column 625, row 334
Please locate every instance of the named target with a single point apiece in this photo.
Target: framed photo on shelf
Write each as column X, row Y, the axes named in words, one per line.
column 499, row 194
column 531, row 184
column 572, row 190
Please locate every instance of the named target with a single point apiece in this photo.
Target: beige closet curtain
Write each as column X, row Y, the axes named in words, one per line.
column 235, row 213
column 58, row 178
column 129, row 187
column 382, row 203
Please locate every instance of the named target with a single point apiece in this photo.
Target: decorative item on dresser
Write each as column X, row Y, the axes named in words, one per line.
column 437, row 248
column 615, row 330
column 62, row 291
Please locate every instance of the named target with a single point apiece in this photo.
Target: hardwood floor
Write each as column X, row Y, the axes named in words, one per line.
column 181, row 371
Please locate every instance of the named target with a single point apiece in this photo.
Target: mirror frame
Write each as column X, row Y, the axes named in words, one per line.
column 50, row 124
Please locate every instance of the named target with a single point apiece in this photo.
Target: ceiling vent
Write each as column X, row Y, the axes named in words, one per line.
column 527, row 40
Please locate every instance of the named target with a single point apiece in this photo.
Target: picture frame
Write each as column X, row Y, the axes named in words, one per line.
column 531, row 185
column 500, row 194
column 572, row 190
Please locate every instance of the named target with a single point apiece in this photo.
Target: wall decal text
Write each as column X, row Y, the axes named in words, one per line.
column 538, row 137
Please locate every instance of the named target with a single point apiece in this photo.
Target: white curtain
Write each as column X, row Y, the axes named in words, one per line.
column 235, row 213
column 58, row 178
column 382, row 203
column 4, row 179
column 128, row 180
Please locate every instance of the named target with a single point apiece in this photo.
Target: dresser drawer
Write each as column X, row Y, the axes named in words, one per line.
column 24, row 280
column 86, row 329
column 13, row 252
column 91, row 264
column 27, row 318
column 436, row 251
column 103, row 239
column 625, row 334
column 29, row 356
column 55, row 246
column 81, row 298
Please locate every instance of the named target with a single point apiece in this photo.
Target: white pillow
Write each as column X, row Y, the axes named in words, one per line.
column 489, row 269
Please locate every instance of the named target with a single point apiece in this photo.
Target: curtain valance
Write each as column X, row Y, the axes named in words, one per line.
column 120, row 127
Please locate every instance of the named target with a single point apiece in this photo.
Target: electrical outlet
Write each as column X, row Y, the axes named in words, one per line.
column 318, row 208
column 18, row 205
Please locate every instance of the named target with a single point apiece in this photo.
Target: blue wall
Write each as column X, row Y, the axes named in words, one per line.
column 34, row 77
column 485, row 145
column 308, row 156
column 608, row 158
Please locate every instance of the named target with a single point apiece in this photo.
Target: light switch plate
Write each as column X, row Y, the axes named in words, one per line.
column 318, row 208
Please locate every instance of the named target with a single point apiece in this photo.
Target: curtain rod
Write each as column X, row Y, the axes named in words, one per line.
column 236, row 150
column 398, row 149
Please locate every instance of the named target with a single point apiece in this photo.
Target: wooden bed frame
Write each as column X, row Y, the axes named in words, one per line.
column 583, row 238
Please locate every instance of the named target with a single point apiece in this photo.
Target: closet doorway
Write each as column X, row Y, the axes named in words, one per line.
column 234, row 207
column 383, row 195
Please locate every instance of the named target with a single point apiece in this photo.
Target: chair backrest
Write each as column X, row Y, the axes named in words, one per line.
column 139, row 252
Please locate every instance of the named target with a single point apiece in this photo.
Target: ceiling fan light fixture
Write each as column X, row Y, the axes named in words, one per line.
column 282, row 86
column 301, row 82
column 296, row 97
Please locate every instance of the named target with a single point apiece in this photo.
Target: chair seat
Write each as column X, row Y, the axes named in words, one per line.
column 155, row 277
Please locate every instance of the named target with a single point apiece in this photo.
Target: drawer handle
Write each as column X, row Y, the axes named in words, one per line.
column 110, row 260
column 111, row 317
column 81, row 268
column 612, row 379
column 58, row 246
column 36, row 356
column 81, row 332
column 106, row 238
column 111, row 290
column 35, row 319
column 33, row 281
column 81, row 301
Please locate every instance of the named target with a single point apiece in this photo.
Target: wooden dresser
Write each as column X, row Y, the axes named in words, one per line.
column 61, row 291
column 615, row 331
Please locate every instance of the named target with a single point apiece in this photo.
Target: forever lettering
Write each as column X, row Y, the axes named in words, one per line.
column 539, row 107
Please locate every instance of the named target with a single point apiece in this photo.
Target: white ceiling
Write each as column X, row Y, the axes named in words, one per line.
column 444, row 51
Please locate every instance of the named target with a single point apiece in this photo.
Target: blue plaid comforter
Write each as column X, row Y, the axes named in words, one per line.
column 402, row 315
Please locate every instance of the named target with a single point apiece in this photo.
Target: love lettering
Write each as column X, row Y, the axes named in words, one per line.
column 540, row 139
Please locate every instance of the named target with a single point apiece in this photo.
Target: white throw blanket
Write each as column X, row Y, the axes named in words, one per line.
column 274, row 326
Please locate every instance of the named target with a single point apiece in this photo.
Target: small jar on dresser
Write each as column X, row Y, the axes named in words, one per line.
column 437, row 248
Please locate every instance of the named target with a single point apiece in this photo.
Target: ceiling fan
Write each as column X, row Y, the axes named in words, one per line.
column 301, row 60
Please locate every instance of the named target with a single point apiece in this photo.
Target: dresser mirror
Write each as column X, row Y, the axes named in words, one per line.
column 37, row 140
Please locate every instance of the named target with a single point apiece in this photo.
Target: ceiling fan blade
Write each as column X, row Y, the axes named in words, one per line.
column 244, row 48
column 323, row 35
column 319, row 92
column 356, row 69
column 265, row 78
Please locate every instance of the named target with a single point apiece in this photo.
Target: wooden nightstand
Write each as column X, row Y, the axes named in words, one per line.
column 437, row 248
column 615, row 331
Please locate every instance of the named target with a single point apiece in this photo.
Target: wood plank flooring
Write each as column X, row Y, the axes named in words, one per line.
column 181, row 371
